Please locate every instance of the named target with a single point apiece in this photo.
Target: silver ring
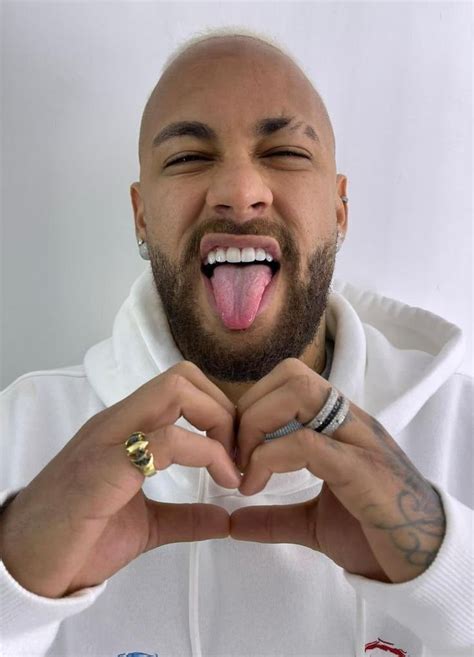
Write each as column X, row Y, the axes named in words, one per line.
column 291, row 427
column 334, row 399
column 339, row 417
column 317, row 421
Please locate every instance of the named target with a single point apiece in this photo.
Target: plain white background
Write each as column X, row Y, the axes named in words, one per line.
column 397, row 81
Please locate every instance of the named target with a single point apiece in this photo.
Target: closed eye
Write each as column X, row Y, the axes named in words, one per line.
column 190, row 158
column 293, row 153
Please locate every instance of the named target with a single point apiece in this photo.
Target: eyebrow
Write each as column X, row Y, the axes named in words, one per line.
column 202, row 131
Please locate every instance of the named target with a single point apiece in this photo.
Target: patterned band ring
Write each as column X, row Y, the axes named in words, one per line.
column 136, row 447
column 338, row 418
column 317, row 422
column 327, row 421
column 334, row 411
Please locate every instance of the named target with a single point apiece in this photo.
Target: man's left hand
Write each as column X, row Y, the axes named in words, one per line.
column 375, row 516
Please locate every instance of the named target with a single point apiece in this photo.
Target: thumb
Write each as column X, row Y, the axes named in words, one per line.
column 177, row 523
column 276, row 523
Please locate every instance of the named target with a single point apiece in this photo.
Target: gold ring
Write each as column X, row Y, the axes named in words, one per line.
column 136, row 446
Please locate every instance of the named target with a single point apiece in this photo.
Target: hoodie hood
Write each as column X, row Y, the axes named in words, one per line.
column 388, row 358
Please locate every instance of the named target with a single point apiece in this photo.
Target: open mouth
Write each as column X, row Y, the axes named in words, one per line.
column 240, row 280
column 208, row 269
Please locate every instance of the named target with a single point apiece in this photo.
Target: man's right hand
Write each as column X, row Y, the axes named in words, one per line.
column 84, row 517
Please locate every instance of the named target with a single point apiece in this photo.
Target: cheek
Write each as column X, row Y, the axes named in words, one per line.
column 317, row 220
column 172, row 213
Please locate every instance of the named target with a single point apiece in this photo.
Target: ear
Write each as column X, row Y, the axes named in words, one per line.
column 342, row 209
column 138, row 210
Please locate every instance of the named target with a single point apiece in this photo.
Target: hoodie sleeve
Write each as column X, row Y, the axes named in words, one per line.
column 437, row 606
column 29, row 622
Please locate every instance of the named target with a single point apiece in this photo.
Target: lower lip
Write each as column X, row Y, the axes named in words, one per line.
column 265, row 301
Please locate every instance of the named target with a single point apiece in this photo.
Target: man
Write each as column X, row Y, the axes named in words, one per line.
column 322, row 437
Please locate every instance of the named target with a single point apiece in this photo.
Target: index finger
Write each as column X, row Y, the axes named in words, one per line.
column 286, row 369
column 183, row 390
column 192, row 372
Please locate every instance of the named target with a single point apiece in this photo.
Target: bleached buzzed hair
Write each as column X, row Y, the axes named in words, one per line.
column 207, row 34
column 228, row 31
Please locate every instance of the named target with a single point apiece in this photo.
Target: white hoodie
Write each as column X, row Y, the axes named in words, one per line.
column 227, row 598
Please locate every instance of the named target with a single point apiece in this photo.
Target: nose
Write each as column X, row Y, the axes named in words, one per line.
column 238, row 192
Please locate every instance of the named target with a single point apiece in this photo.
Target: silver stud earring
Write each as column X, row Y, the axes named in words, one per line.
column 143, row 249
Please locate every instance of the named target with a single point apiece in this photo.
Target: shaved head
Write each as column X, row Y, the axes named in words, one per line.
column 218, row 49
column 235, row 141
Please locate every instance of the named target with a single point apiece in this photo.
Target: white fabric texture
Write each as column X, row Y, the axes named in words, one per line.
column 231, row 598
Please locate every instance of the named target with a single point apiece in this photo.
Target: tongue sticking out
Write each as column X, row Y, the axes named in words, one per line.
column 238, row 292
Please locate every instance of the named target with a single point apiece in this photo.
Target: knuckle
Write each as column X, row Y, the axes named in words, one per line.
column 176, row 381
column 174, row 389
column 301, row 383
column 306, row 439
column 290, row 365
column 185, row 367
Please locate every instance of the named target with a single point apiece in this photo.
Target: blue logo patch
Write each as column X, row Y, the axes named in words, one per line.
column 137, row 654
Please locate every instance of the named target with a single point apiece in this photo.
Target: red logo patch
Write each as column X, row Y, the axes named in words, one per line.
column 386, row 647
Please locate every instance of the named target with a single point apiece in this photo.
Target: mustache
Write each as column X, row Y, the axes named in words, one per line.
column 288, row 246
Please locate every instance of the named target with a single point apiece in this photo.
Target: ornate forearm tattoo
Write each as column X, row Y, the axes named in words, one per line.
column 420, row 529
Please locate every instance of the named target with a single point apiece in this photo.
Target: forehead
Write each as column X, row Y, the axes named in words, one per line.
column 232, row 89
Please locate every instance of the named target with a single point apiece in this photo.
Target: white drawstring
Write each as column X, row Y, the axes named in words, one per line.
column 193, row 600
column 360, row 627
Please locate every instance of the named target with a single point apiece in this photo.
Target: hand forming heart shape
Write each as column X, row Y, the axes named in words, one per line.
column 375, row 516
column 85, row 516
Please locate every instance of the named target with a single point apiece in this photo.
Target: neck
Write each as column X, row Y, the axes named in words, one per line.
column 314, row 356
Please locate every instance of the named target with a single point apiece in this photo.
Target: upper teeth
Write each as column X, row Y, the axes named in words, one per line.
column 233, row 254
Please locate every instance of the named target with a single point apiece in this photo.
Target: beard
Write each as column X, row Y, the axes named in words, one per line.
column 244, row 355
